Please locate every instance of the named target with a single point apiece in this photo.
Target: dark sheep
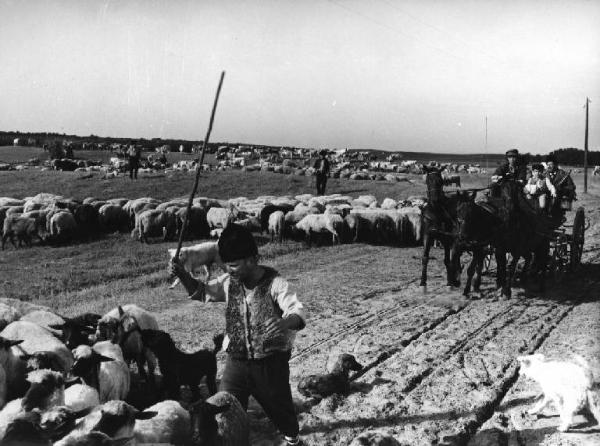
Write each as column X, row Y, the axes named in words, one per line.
column 180, row 368
column 268, row 210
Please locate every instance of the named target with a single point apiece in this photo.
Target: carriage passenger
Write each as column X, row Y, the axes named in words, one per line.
column 563, row 184
column 538, row 186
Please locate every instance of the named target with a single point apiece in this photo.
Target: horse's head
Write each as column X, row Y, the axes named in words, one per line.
column 465, row 223
column 509, row 192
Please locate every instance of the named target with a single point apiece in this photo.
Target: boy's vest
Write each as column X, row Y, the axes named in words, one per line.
column 248, row 340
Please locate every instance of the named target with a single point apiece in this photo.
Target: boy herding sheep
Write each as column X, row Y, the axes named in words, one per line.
column 259, row 345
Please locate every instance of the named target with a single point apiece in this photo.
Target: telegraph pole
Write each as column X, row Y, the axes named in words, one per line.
column 486, row 157
column 585, row 153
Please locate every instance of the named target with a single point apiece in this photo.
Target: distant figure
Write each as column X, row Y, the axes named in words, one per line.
column 134, row 161
column 322, row 169
column 162, row 158
column 563, row 184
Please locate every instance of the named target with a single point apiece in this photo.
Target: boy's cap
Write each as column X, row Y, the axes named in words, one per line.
column 235, row 243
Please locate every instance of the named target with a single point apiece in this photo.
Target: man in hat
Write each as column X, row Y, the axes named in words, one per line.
column 564, row 188
column 322, row 171
column 513, row 168
column 261, row 318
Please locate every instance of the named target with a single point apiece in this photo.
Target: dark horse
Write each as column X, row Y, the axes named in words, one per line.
column 439, row 221
column 478, row 225
column 514, row 227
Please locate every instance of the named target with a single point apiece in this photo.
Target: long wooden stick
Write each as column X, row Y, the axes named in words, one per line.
column 199, row 168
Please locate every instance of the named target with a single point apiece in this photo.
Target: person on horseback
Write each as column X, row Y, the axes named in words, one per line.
column 564, row 187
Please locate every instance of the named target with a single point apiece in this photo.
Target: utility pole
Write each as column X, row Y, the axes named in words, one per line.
column 486, row 157
column 585, row 153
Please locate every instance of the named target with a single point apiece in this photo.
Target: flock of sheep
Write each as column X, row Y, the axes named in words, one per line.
column 67, row 381
column 336, row 218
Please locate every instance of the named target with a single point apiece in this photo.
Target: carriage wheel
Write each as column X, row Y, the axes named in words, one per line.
column 577, row 239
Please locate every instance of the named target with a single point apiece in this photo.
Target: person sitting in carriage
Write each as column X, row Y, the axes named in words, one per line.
column 538, row 187
column 564, row 188
column 513, row 169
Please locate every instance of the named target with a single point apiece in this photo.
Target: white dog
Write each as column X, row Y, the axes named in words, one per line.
column 198, row 259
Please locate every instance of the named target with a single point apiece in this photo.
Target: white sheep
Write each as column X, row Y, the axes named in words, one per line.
column 81, row 396
column 216, row 233
column 104, row 368
column 116, row 419
column 276, row 225
column 221, row 217
column 220, row 420
column 198, row 259
column 389, row 203
column 44, row 318
column 318, row 223
column 37, row 339
column 170, row 425
column 145, row 319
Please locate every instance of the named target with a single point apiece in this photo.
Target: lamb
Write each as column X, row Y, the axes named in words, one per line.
column 198, row 259
column 338, row 381
column 114, row 419
column 21, row 228
column 276, row 225
column 102, row 366
column 220, row 420
column 319, row 223
column 172, row 424
column 37, row 339
column 180, row 368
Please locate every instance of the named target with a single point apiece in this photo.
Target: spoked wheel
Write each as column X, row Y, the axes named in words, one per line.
column 559, row 258
column 577, row 239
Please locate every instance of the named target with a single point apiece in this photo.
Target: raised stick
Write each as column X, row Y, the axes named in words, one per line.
column 199, row 168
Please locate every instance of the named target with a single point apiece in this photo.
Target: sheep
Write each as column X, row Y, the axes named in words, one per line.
column 220, row 420
column 197, row 225
column 112, row 217
column 153, row 223
column 76, row 331
column 12, row 371
column 102, row 366
column 87, row 219
column 389, row 203
column 221, row 217
column 23, row 228
column 180, row 368
column 58, row 421
column 266, row 212
column 46, row 391
column 62, row 226
column 107, row 324
column 198, row 259
column 115, row 419
column 14, row 210
column 129, row 337
column 353, row 227
column 338, row 381
column 172, row 424
column 42, row 360
column 24, row 429
column 81, row 396
column 250, row 223
column 318, row 223
column 37, row 339
column 8, row 314
column 43, row 318
column 276, row 225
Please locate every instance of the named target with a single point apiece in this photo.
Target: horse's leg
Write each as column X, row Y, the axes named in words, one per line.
column 474, row 267
column 478, row 268
column 427, row 242
column 500, row 255
column 449, row 261
column 511, row 275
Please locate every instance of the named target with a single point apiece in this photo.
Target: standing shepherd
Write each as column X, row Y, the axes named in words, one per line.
column 134, row 154
column 261, row 319
column 322, row 170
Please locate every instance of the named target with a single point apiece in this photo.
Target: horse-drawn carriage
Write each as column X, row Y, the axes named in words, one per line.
column 496, row 227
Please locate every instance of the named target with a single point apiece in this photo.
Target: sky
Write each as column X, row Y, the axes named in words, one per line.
column 372, row 74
